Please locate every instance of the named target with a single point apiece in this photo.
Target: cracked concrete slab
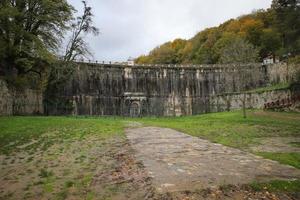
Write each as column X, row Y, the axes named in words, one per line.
column 179, row 162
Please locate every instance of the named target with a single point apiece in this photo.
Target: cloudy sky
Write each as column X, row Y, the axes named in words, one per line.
column 134, row 27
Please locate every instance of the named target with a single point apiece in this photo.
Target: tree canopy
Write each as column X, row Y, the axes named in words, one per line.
column 30, row 33
column 275, row 31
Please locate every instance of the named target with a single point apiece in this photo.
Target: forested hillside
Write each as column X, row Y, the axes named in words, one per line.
column 249, row 38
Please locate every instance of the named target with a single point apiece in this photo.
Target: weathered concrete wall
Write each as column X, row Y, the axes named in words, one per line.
column 25, row 102
column 282, row 73
column 5, row 99
column 227, row 102
column 158, row 90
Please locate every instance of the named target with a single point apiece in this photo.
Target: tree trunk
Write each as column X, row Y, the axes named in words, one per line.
column 244, row 106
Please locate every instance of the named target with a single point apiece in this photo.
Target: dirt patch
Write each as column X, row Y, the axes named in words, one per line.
column 87, row 168
column 179, row 162
column 132, row 124
column 228, row 193
column 276, row 115
column 277, row 144
column 91, row 167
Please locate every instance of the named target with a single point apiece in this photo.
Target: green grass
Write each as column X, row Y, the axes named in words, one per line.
column 292, row 159
column 279, row 86
column 295, row 144
column 16, row 131
column 278, row 186
column 230, row 128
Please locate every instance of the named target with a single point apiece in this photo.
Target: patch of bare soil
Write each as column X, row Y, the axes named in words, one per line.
column 277, row 144
column 95, row 168
column 229, row 193
column 87, row 168
column 277, row 115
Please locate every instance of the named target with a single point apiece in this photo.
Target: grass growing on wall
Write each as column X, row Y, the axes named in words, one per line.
column 279, row 86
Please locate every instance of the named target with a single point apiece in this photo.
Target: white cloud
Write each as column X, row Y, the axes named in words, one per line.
column 134, row 27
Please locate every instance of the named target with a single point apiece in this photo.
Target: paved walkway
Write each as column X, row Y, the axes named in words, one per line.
column 179, row 162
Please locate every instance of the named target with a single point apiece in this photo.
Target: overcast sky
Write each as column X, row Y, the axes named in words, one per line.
column 134, row 27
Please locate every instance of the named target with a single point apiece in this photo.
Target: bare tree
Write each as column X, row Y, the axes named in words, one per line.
column 239, row 51
column 244, row 74
column 76, row 46
column 83, row 25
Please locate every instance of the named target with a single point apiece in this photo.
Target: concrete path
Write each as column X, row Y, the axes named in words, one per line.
column 179, row 162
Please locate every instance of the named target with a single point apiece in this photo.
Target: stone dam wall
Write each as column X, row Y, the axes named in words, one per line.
column 163, row 90
column 20, row 102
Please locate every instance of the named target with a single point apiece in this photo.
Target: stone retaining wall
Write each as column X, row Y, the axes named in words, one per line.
column 25, row 102
column 151, row 90
column 161, row 90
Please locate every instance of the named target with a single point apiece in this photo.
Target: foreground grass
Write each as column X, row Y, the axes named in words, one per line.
column 16, row 131
column 231, row 129
column 292, row 159
column 228, row 128
column 62, row 157
column 278, row 186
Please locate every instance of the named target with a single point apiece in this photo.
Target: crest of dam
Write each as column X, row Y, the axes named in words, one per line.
column 162, row 90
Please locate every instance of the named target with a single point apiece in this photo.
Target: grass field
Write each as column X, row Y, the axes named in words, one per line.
column 59, row 156
column 231, row 129
column 16, row 131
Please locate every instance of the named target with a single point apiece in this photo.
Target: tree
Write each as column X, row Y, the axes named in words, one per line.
column 168, row 53
column 30, row 31
column 239, row 51
column 82, row 26
column 252, row 28
column 224, row 41
column 204, row 55
column 273, row 31
column 287, row 23
column 270, row 42
column 76, row 46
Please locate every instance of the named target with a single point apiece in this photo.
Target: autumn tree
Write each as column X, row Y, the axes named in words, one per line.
column 274, row 31
column 239, row 51
column 270, row 43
